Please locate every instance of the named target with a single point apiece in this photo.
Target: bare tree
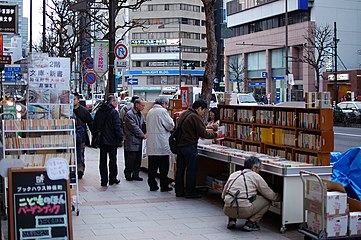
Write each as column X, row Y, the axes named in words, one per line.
column 210, row 69
column 236, row 71
column 315, row 52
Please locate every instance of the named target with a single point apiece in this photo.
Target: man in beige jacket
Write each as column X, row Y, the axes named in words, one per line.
column 246, row 195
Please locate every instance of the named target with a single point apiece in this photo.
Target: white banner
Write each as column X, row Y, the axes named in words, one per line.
column 101, row 51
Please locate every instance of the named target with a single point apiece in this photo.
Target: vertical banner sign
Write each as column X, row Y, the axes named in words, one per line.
column 8, row 19
column 1, row 45
column 101, row 51
column 39, row 208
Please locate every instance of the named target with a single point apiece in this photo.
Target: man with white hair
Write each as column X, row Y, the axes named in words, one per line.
column 159, row 125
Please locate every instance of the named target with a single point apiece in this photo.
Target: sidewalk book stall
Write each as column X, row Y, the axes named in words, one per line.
column 48, row 132
column 286, row 139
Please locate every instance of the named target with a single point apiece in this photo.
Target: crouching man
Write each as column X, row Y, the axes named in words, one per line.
column 246, row 195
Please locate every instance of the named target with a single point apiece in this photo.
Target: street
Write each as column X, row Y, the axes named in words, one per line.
column 346, row 138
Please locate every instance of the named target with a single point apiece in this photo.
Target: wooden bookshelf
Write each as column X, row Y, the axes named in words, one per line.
column 298, row 134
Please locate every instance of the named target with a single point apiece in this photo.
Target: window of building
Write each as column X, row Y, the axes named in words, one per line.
column 278, row 58
column 256, row 60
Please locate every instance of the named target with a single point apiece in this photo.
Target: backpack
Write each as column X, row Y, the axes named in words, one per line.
column 175, row 137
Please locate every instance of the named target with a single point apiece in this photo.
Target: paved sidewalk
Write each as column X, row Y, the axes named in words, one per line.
column 130, row 211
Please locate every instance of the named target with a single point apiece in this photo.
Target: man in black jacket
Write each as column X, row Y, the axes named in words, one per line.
column 107, row 122
column 84, row 116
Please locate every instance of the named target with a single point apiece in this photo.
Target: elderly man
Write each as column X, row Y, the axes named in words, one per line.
column 107, row 121
column 246, row 195
column 133, row 140
column 159, row 125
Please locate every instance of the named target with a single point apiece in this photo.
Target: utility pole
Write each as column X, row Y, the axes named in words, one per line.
column 111, row 57
column 335, row 88
column 180, row 52
column 286, row 53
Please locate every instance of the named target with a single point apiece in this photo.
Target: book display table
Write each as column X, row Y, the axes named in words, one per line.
column 281, row 175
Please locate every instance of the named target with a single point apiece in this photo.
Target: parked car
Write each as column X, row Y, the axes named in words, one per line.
column 246, row 99
column 350, row 107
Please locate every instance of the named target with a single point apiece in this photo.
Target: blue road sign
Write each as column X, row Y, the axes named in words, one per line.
column 90, row 77
column 12, row 73
column 236, row 80
column 264, row 74
column 132, row 81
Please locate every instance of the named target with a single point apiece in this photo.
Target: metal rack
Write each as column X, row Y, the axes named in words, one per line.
column 72, row 167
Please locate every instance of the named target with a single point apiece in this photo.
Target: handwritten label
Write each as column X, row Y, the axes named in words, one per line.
column 57, row 168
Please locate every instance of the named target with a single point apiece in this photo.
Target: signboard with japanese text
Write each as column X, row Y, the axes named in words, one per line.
column 8, row 19
column 101, row 50
column 49, row 88
column 154, row 42
column 39, row 208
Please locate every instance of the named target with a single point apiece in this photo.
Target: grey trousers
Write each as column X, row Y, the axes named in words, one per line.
column 259, row 207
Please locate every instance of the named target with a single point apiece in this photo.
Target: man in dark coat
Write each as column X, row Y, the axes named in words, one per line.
column 133, row 140
column 107, row 121
column 84, row 116
column 192, row 127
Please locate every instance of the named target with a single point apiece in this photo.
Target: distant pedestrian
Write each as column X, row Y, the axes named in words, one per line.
column 107, row 121
column 192, row 128
column 127, row 107
column 84, row 116
column 134, row 133
column 159, row 125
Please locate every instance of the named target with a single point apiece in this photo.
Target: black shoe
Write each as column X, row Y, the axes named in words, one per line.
column 103, row 184
column 250, row 226
column 167, row 189
column 128, row 179
column 153, row 189
column 116, row 181
column 195, row 195
column 231, row 223
column 180, row 195
column 137, row 178
column 80, row 174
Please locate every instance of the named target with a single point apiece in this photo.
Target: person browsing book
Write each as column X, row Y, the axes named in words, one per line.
column 246, row 195
column 192, row 129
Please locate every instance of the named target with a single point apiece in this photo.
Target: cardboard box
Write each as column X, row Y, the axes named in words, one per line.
column 354, row 222
column 335, row 197
column 335, row 226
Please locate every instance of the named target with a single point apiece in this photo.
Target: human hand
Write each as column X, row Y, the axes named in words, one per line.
column 215, row 126
column 145, row 136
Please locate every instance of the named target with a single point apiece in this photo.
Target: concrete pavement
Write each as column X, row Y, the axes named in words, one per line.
column 130, row 211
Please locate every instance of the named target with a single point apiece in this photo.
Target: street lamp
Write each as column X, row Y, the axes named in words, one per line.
column 286, row 57
column 179, row 47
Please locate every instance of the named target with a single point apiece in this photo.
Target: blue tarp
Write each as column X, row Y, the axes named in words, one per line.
column 347, row 171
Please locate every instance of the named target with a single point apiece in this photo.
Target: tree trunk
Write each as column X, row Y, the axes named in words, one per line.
column 210, row 69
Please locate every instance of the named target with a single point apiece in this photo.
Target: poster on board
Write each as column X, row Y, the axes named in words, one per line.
column 39, row 208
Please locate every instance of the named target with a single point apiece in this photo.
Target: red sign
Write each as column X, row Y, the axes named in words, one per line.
column 90, row 78
column 121, row 51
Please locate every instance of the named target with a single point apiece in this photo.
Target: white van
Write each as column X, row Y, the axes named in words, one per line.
column 197, row 94
column 246, row 99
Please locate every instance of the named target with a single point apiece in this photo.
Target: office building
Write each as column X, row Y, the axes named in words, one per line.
column 22, row 27
column 170, row 47
column 259, row 39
